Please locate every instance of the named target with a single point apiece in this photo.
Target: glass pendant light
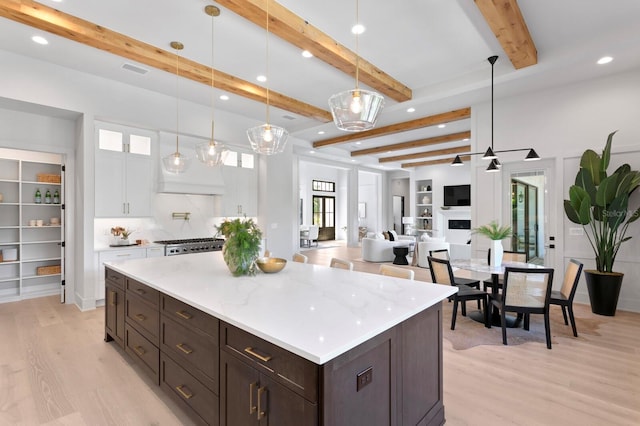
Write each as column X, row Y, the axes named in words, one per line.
column 356, row 110
column 267, row 139
column 212, row 153
column 176, row 162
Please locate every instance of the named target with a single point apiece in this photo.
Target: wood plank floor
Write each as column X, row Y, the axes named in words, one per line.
column 56, row 369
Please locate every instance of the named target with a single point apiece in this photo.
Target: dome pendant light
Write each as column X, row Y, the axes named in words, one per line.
column 267, row 139
column 212, row 153
column 356, row 110
column 176, row 162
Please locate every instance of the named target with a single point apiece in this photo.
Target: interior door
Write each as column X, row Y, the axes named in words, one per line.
column 324, row 215
column 398, row 212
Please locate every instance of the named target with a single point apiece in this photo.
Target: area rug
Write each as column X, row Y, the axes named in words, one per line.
column 469, row 333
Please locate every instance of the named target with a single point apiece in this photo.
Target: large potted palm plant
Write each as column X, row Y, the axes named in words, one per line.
column 599, row 201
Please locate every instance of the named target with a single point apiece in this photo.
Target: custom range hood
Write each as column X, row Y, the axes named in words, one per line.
column 197, row 179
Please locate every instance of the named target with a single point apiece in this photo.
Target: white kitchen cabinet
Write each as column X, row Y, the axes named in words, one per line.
column 124, row 172
column 31, row 231
column 113, row 255
column 155, row 251
column 241, row 192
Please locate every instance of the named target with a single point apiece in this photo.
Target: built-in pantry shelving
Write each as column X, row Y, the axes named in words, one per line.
column 31, row 231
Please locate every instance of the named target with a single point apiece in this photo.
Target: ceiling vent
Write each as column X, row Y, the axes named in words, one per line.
column 135, row 68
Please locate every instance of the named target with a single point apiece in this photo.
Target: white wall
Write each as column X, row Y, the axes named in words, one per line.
column 370, row 193
column 560, row 124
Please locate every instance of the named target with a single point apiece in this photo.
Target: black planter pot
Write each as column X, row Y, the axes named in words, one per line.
column 604, row 289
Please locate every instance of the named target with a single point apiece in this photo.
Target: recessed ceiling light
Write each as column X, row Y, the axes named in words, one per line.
column 39, row 40
column 358, row 143
column 312, row 152
column 605, row 60
column 307, row 54
column 441, row 126
column 353, row 161
column 358, row 29
column 321, row 132
column 411, row 109
column 261, row 78
column 465, row 139
column 57, row 1
column 224, row 97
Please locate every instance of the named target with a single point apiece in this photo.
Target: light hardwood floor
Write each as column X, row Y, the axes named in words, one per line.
column 56, row 369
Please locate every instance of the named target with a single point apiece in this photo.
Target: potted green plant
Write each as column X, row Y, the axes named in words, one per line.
column 496, row 234
column 242, row 245
column 600, row 203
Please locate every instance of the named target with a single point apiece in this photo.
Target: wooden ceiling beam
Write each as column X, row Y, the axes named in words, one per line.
column 435, row 153
column 434, row 162
column 505, row 20
column 39, row 16
column 420, row 143
column 432, row 120
column 297, row 31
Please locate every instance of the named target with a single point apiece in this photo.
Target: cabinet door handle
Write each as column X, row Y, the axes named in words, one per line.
column 124, row 209
column 261, row 390
column 251, row 351
column 139, row 350
column 128, row 208
column 184, row 315
column 185, row 393
column 140, row 291
column 140, row 317
column 114, row 298
column 186, row 349
column 252, row 408
column 124, row 255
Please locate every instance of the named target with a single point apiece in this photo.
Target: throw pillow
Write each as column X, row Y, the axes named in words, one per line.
column 386, row 235
column 378, row 236
column 393, row 236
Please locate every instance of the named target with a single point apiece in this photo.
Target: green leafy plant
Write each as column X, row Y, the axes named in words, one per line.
column 601, row 201
column 494, row 231
column 242, row 245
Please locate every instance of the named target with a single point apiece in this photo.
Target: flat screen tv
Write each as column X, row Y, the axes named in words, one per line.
column 457, row 195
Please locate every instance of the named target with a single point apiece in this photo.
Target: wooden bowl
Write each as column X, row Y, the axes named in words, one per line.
column 270, row 265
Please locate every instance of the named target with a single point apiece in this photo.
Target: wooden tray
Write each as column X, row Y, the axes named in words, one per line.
column 48, row 270
column 48, row 178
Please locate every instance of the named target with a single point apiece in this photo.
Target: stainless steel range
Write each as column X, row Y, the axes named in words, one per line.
column 192, row 245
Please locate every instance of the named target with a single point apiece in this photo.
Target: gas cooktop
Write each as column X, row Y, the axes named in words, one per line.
column 190, row 245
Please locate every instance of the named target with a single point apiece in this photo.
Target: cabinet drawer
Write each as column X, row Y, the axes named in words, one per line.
column 115, row 278
column 149, row 294
column 197, row 352
column 143, row 351
column 143, row 317
column 292, row 371
column 189, row 316
column 193, row 396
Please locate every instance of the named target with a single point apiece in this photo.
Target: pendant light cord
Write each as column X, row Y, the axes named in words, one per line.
column 177, row 99
column 357, row 46
column 267, row 59
column 213, row 96
column 492, row 63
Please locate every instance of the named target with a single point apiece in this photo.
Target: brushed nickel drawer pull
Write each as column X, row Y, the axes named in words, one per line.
column 139, row 350
column 185, row 394
column 261, row 413
column 184, row 315
column 187, row 350
column 140, row 317
column 250, row 351
column 252, row 408
column 140, row 291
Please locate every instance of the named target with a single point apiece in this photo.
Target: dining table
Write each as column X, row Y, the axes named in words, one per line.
column 482, row 266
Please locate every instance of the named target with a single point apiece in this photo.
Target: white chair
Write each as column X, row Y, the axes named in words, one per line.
column 424, row 247
column 313, row 234
column 394, row 271
column 309, row 234
column 341, row 263
column 301, row 258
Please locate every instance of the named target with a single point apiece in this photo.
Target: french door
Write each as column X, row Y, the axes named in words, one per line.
column 525, row 218
column 324, row 215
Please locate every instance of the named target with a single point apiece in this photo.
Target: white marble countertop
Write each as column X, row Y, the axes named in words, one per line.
column 133, row 247
column 314, row 311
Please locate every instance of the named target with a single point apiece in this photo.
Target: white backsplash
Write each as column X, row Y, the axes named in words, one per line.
column 201, row 224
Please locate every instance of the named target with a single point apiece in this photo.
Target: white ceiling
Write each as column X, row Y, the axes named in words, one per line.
column 436, row 47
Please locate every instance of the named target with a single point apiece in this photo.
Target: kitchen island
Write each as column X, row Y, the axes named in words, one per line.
column 310, row 345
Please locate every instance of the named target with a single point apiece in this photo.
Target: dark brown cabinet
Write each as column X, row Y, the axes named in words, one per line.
column 249, row 397
column 114, row 311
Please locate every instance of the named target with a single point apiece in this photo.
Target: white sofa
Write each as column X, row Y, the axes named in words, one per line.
column 433, row 244
column 381, row 250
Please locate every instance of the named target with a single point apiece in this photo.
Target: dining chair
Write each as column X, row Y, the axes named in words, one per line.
column 394, row 271
column 444, row 254
column 301, row 258
column 341, row 263
column 508, row 256
column 525, row 291
column 564, row 297
column 441, row 273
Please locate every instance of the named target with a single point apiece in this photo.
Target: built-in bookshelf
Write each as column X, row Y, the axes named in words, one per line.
column 424, row 206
